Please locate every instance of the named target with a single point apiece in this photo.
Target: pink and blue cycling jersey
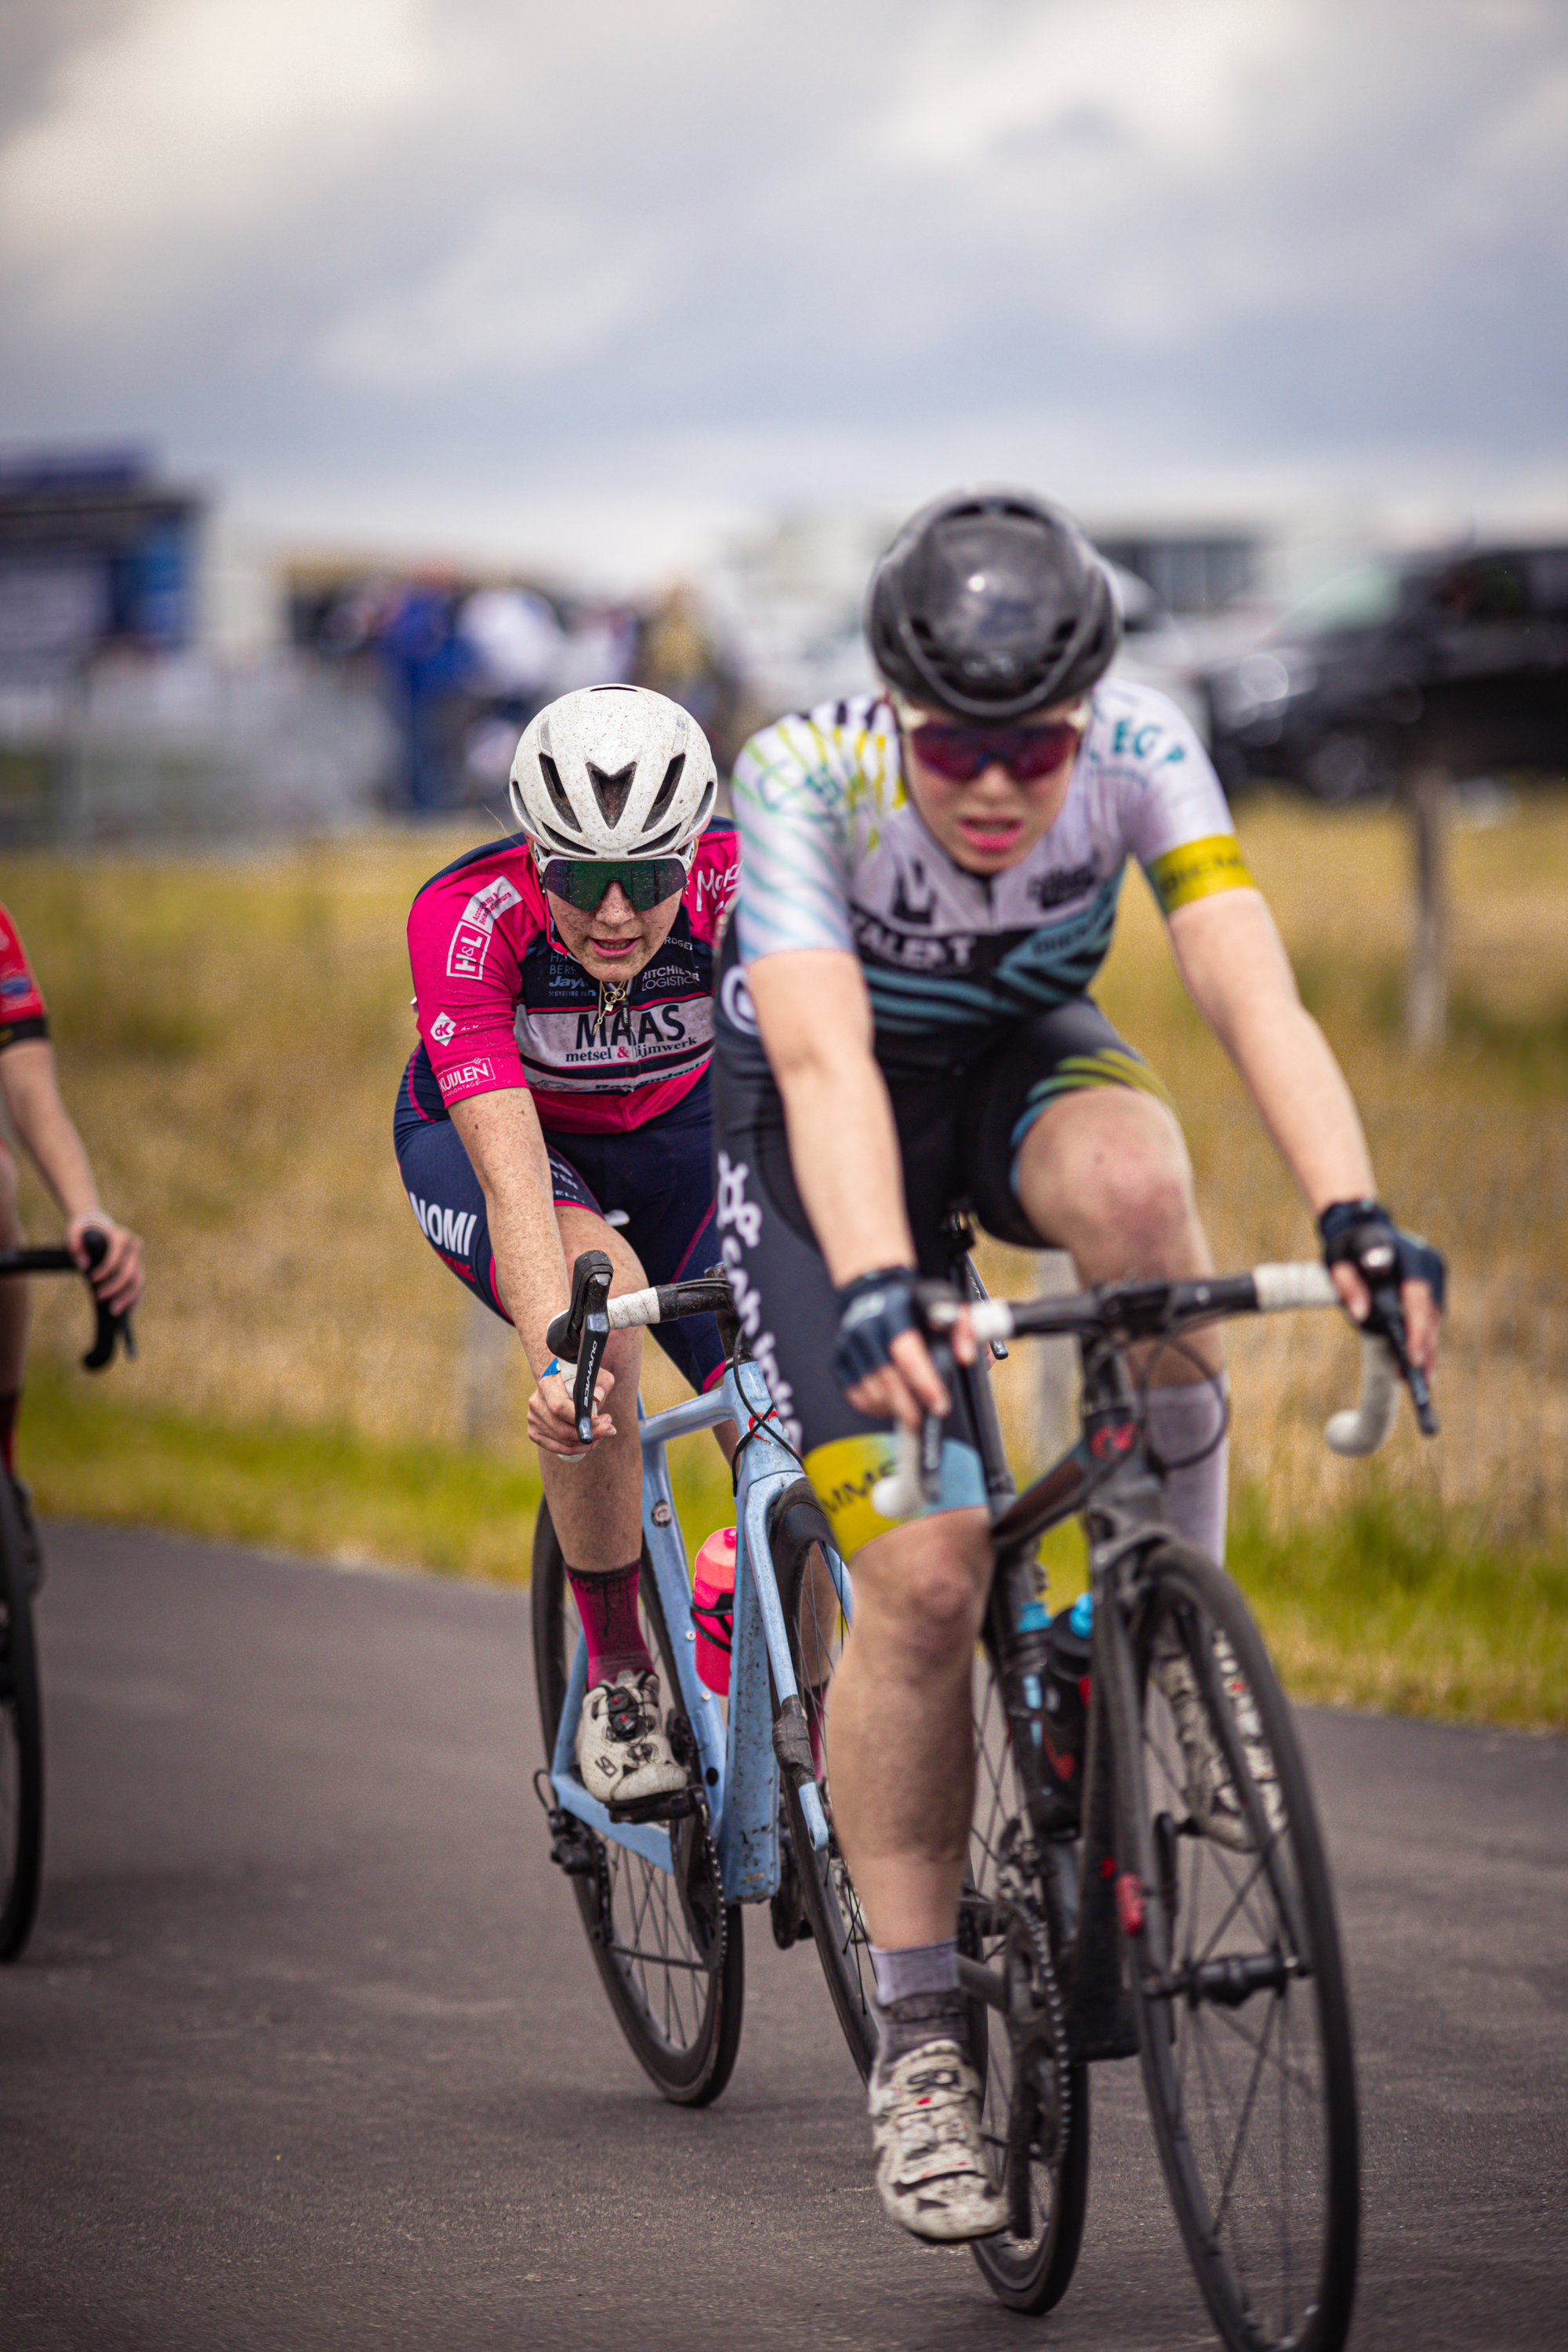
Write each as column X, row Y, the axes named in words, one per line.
column 501, row 1004
column 23, row 1014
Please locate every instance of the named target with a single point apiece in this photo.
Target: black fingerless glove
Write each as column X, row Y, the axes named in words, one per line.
column 872, row 1311
column 1361, row 1233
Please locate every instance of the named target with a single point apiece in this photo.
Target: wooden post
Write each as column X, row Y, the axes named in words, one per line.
column 1426, row 995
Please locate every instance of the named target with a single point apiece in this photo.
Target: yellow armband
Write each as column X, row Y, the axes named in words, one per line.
column 1197, row 870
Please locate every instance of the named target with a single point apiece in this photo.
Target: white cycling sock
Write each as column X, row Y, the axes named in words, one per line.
column 1182, row 1422
column 920, row 1967
column 918, row 1998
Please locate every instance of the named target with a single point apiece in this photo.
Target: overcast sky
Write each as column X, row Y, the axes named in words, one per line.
column 591, row 280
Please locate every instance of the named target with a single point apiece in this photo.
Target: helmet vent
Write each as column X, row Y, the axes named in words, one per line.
column 612, row 791
column 666, row 793
column 557, row 791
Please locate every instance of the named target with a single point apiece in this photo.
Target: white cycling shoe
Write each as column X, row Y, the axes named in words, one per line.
column 623, row 1756
column 1216, row 1806
column 931, row 2170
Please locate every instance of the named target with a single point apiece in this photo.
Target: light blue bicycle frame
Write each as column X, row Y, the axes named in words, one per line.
column 736, row 1760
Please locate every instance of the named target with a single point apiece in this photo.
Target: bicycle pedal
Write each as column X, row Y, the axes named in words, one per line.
column 674, row 1805
column 574, row 1855
column 572, row 1848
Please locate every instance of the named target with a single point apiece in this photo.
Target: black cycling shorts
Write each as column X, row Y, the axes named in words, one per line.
column 659, row 1175
column 960, row 1128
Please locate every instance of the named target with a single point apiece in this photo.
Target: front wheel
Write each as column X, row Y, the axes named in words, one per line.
column 21, row 1738
column 1243, row 2025
column 671, row 1956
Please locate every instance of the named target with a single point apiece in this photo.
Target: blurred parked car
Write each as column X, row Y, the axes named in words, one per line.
column 1458, row 659
column 1153, row 651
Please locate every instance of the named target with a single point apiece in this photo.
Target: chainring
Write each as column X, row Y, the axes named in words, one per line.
column 1040, row 2105
column 699, row 1884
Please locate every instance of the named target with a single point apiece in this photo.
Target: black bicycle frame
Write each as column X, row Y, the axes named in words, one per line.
column 1107, row 1475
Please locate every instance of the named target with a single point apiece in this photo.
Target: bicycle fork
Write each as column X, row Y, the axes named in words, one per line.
column 737, row 1770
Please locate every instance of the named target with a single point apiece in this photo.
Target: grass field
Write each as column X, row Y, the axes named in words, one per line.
column 231, row 1030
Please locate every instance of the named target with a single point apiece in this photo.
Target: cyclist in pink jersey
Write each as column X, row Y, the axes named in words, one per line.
column 35, row 1110
column 558, row 1101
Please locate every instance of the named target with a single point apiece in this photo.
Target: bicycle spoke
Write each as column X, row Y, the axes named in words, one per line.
column 1246, row 2048
column 681, row 2013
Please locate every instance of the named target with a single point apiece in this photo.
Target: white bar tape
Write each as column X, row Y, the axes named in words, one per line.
column 897, row 1495
column 1301, row 1284
column 632, row 1309
column 1363, row 1429
column 992, row 1318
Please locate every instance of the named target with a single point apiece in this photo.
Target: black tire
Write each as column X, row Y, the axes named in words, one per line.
column 827, row 1894
column 1038, row 2129
column 679, row 2002
column 21, row 1738
column 1244, row 2024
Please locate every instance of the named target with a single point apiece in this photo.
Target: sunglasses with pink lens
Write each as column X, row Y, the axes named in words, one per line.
column 963, row 753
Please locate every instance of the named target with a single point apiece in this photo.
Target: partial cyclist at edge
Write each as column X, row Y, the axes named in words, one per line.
column 29, row 1088
column 930, row 878
column 558, row 1101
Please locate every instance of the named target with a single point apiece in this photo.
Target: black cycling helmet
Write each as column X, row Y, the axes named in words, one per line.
column 990, row 604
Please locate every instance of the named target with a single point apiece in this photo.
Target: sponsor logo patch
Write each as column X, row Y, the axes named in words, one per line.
column 736, row 998
column 470, row 945
column 731, row 1207
column 450, row 1230
column 494, row 899
column 465, row 1074
column 443, row 1029
column 471, row 939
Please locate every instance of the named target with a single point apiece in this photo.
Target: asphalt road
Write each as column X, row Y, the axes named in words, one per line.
column 307, row 2051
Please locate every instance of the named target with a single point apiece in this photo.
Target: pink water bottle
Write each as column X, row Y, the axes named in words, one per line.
column 713, row 1608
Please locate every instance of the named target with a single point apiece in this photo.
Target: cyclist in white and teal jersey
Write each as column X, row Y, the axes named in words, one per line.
column 930, row 880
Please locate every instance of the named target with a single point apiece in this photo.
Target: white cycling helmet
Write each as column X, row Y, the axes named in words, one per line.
column 614, row 772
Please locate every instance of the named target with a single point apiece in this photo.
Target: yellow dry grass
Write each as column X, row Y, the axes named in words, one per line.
column 231, row 1031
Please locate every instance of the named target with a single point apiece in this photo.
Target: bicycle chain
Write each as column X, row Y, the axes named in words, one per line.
column 1043, row 2034
column 711, row 1942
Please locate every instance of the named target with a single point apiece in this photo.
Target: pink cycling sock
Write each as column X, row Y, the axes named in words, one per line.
column 608, row 1608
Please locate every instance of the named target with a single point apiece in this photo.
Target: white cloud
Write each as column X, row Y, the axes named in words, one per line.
column 526, row 293
column 188, row 129
column 744, row 253
column 1173, row 82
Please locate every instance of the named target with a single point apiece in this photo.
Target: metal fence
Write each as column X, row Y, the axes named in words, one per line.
column 187, row 749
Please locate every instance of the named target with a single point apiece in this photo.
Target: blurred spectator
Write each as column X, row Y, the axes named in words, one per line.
column 601, row 649
column 515, row 639
column 428, row 664
column 679, row 657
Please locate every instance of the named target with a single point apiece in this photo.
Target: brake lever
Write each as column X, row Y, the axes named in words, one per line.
column 591, row 1355
column 579, row 1335
column 933, row 1426
column 110, row 1327
column 1388, row 1316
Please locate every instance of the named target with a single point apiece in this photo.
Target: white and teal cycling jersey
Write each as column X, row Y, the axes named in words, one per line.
column 833, row 855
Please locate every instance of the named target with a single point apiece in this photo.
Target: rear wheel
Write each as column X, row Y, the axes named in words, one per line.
column 1036, row 2111
column 1242, row 2018
column 817, row 1626
column 668, row 1948
column 21, row 1738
